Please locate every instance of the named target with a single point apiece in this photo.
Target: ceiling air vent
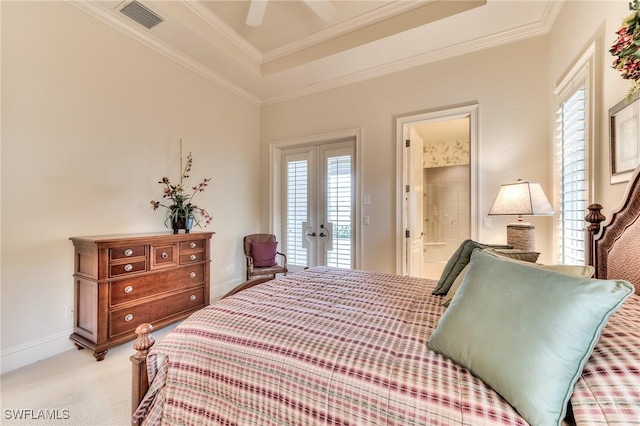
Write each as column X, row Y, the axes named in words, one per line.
column 141, row 14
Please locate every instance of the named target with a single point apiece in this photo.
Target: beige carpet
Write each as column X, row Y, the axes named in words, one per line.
column 73, row 387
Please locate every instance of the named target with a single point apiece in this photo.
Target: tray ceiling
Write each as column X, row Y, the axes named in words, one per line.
column 294, row 52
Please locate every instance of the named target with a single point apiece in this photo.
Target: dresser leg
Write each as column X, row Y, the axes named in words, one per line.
column 80, row 347
column 100, row 355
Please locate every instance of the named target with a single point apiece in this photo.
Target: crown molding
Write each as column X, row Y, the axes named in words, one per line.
column 385, row 12
column 527, row 31
column 550, row 13
column 382, row 13
column 109, row 18
column 212, row 19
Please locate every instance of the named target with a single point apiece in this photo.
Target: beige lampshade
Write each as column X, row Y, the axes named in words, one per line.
column 521, row 199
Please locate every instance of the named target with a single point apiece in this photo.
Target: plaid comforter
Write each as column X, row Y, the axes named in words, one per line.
column 608, row 393
column 332, row 346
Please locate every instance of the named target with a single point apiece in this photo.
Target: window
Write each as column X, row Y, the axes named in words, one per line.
column 339, row 206
column 573, row 185
column 573, row 141
column 296, row 209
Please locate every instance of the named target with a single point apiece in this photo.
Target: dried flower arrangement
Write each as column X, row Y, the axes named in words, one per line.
column 181, row 212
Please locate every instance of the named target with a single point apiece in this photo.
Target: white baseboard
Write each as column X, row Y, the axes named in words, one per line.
column 28, row 353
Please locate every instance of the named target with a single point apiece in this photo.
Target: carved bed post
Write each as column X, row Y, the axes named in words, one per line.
column 139, row 377
column 595, row 218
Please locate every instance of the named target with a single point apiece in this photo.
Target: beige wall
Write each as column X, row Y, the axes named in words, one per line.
column 510, row 85
column 580, row 23
column 91, row 121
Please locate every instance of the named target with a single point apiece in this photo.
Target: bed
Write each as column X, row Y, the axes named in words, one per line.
column 351, row 347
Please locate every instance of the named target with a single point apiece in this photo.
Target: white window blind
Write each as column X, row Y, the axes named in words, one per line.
column 339, row 210
column 573, row 178
column 296, row 210
column 575, row 129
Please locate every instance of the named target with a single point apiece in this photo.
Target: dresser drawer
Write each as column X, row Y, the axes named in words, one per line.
column 132, row 289
column 118, row 269
column 164, row 256
column 127, row 319
column 126, row 251
column 192, row 245
column 187, row 258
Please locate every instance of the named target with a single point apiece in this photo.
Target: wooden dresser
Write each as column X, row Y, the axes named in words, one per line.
column 122, row 281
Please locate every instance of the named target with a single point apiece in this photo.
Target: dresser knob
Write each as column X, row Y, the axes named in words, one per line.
column 128, row 318
column 128, row 289
column 192, row 297
column 164, row 255
column 192, row 257
column 192, row 275
column 192, row 245
column 128, row 267
column 128, row 252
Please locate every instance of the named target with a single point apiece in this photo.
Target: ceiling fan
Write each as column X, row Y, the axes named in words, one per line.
column 323, row 8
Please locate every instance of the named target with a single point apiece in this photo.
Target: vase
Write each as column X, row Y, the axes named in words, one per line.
column 182, row 222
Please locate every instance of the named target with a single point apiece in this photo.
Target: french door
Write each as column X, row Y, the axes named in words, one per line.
column 319, row 205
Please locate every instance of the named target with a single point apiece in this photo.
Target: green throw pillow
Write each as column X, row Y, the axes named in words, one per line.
column 526, row 332
column 457, row 262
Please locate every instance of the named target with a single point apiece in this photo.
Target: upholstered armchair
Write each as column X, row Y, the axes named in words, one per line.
column 260, row 251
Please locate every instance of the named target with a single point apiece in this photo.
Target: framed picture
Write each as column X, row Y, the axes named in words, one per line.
column 624, row 119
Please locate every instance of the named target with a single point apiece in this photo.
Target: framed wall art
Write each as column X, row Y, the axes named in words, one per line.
column 624, row 120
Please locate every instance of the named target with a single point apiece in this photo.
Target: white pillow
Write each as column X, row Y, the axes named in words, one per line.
column 585, row 271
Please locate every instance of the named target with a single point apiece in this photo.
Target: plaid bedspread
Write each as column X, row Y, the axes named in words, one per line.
column 348, row 347
column 608, row 392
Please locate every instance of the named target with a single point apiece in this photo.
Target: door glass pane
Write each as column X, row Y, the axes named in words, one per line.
column 339, row 210
column 296, row 210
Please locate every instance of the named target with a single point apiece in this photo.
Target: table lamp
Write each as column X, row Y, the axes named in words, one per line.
column 521, row 199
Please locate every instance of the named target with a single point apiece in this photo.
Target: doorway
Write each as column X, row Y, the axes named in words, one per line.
column 438, row 186
column 314, row 210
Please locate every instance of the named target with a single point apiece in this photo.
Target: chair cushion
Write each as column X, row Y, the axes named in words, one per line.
column 526, row 332
column 264, row 254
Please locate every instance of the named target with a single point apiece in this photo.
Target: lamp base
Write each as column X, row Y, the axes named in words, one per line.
column 521, row 235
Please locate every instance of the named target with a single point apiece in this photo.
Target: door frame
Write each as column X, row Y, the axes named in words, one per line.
column 402, row 127
column 275, row 180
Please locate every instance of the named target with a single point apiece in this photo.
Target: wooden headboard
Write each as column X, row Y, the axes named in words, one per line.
column 613, row 247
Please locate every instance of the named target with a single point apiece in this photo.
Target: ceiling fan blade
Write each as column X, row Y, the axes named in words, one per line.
column 256, row 12
column 323, row 8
